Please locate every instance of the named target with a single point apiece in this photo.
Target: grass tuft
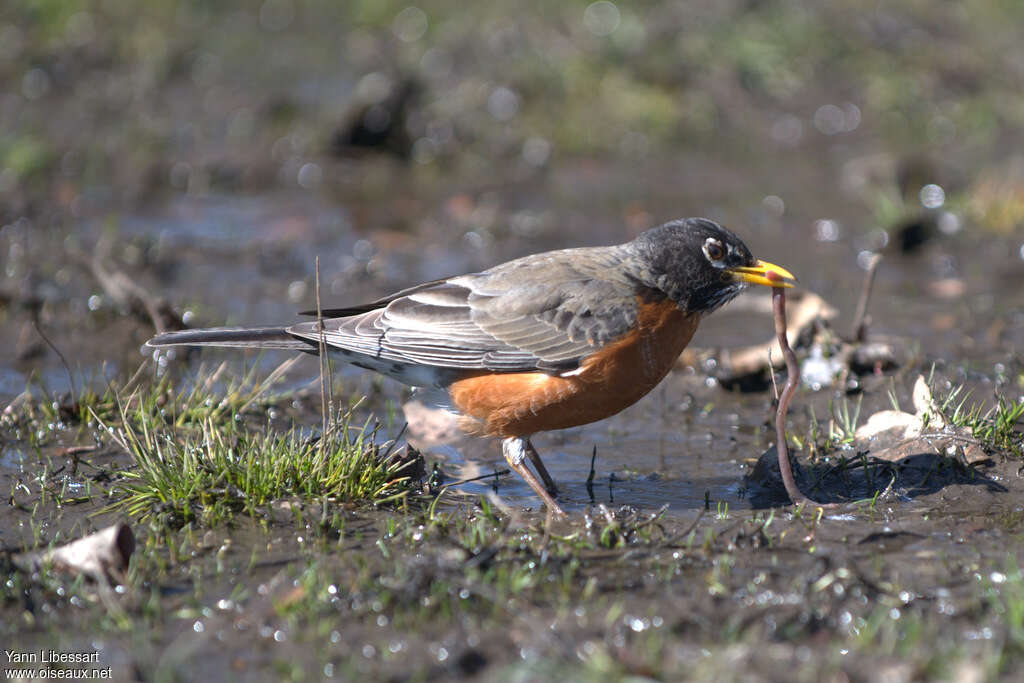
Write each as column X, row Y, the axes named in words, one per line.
column 200, row 458
column 218, row 470
column 1000, row 428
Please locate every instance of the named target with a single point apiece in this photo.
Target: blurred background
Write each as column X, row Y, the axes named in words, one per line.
column 181, row 162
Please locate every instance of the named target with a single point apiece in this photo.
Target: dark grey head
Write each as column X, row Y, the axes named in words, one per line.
column 700, row 265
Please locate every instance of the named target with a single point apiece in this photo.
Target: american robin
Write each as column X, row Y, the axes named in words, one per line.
column 547, row 341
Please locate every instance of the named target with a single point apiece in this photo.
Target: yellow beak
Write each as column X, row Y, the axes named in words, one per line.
column 764, row 273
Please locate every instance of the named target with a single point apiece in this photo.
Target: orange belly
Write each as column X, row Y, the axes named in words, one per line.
column 612, row 379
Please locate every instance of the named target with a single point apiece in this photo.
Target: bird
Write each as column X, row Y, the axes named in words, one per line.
column 544, row 342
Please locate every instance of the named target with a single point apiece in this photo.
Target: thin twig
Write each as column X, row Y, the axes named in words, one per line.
column 53, row 347
column 495, row 474
column 444, row 489
column 394, row 442
column 860, row 328
column 590, row 477
column 326, row 407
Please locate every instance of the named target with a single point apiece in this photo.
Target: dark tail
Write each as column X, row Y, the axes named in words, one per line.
column 236, row 337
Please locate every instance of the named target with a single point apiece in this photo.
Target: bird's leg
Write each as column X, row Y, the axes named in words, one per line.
column 515, row 450
column 541, row 470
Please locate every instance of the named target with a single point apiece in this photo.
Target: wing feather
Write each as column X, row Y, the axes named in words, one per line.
column 546, row 312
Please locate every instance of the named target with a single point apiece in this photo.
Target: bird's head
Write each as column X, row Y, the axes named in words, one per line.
column 701, row 265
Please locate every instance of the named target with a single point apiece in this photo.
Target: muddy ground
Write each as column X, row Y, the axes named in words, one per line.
column 184, row 165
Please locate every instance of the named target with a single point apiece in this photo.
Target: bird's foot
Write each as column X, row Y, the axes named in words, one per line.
column 515, row 450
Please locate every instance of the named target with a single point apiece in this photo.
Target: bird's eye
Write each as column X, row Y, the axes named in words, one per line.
column 713, row 249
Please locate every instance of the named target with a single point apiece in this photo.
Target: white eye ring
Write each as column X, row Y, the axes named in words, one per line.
column 713, row 249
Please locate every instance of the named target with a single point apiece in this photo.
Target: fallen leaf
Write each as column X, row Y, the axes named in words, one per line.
column 102, row 555
column 889, row 427
column 893, row 434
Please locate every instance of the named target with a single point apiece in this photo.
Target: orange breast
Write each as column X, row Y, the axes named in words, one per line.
column 612, row 379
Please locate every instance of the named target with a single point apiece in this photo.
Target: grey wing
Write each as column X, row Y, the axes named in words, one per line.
column 545, row 312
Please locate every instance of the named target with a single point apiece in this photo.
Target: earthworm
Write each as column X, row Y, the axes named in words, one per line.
column 792, row 382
